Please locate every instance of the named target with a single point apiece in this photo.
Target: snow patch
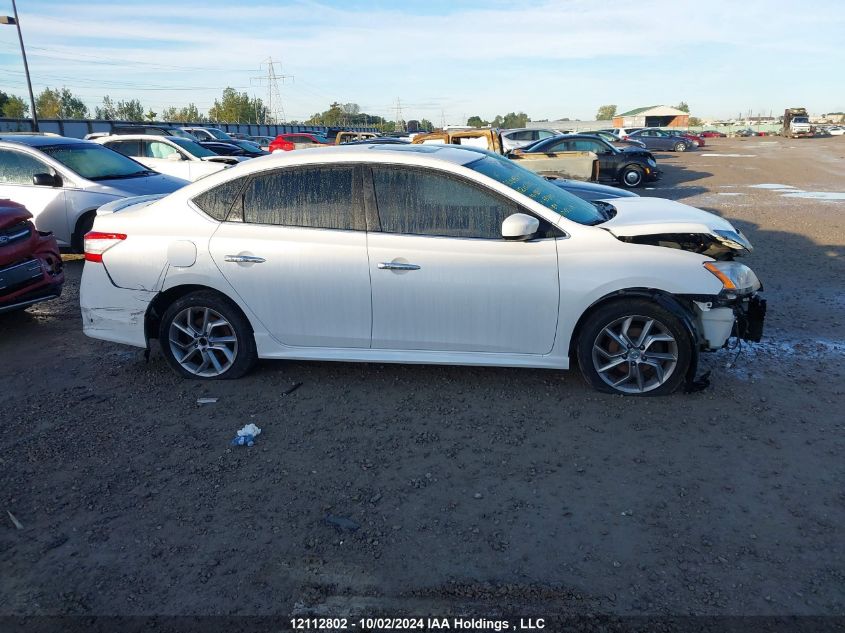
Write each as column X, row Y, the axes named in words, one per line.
column 732, row 155
column 730, row 193
column 771, row 186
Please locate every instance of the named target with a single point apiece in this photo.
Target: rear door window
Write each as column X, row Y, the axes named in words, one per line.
column 127, row 148
column 324, row 197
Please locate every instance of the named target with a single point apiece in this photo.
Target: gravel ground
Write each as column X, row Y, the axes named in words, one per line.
column 473, row 488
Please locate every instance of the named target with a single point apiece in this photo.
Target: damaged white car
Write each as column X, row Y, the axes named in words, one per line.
column 417, row 254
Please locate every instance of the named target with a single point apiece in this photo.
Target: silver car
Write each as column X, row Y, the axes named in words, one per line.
column 63, row 181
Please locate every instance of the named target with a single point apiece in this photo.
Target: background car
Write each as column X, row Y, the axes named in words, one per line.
column 662, row 140
column 235, row 147
column 31, row 268
column 170, row 155
column 745, row 133
column 263, row 141
column 205, row 133
column 621, row 132
column 513, row 139
column 712, row 134
column 614, row 140
column 452, row 258
column 62, row 181
column 836, row 130
column 381, row 140
column 297, row 140
column 591, row 191
column 695, row 138
column 631, row 167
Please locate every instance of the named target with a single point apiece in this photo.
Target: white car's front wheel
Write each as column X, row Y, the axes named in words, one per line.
column 634, row 347
column 203, row 335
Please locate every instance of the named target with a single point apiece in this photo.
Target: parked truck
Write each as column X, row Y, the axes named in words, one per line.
column 796, row 123
column 575, row 165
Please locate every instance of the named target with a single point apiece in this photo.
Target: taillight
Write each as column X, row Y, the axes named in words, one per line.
column 97, row 243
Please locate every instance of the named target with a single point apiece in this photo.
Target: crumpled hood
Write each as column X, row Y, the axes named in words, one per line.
column 648, row 216
column 141, row 186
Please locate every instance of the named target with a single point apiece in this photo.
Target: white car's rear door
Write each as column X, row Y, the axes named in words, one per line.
column 444, row 279
column 294, row 249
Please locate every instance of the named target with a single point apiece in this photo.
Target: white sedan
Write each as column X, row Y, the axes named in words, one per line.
column 170, row 155
column 416, row 254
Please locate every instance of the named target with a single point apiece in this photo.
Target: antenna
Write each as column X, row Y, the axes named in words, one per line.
column 275, row 111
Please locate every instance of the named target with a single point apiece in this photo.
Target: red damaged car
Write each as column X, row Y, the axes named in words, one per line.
column 30, row 263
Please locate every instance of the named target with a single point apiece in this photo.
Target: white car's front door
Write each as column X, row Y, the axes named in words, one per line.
column 294, row 248
column 444, row 279
column 45, row 203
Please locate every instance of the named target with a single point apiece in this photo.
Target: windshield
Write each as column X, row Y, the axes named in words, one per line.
column 220, row 134
column 194, row 148
column 95, row 162
column 537, row 188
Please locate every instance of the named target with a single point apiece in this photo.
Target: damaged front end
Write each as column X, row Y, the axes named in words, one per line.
column 720, row 244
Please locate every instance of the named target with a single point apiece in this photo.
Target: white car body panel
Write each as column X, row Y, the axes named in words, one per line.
column 320, row 292
column 468, row 295
column 647, row 216
column 312, row 290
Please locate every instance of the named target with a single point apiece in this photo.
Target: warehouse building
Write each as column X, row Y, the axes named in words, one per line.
column 652, row 116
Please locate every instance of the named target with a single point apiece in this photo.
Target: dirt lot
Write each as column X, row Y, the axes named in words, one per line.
column 475, row 489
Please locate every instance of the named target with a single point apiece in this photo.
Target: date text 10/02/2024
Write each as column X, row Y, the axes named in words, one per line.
column 410, row 624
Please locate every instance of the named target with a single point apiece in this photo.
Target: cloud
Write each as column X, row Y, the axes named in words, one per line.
column 353, row 51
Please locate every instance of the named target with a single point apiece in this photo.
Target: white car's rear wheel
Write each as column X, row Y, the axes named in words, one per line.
column 634, row 347
column 203, row 335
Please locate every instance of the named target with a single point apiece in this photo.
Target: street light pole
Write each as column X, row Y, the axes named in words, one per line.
column 6, row 19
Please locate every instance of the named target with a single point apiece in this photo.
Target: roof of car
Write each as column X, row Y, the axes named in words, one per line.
column 142, row 137
column 40, row 140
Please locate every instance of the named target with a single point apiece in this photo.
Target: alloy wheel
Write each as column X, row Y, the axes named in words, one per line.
column 203, row 342
column 635, row 354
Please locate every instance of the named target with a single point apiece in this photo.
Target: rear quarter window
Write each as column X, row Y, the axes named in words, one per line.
column 217, row 201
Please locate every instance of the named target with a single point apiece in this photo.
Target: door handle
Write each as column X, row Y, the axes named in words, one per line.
column 397, row 266
column 244, row 259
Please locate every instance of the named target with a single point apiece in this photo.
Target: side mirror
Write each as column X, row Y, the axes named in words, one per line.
column 175, row 156
column 520, row 227
column 47, row 180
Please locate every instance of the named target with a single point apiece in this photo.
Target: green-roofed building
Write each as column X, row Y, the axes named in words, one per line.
column 652, row 116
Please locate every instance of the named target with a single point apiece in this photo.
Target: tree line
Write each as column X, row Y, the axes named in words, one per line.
column 231, row 107
column 61, row 103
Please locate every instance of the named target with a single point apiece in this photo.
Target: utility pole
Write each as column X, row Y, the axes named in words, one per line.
column 271, row 80
column 7, row 19
column 400, row 124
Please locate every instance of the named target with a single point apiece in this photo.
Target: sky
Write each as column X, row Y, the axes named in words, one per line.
column 442, row 60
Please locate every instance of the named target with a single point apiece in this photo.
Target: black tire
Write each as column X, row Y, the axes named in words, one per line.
column 680, row 147
column 593, row 335
column 83, row 225
column 233, row 324
column 632, row 176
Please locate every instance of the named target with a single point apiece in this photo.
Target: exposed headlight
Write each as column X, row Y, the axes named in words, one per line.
column 734, row 239
column 737, row 279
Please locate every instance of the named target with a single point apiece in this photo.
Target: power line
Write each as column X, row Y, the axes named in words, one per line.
column 271, row 82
